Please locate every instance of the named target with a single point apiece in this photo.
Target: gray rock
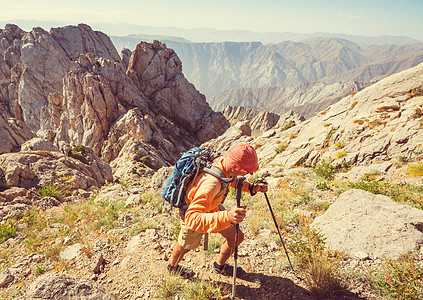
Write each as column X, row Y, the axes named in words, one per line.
column 39, row 144
column 133, row 200
column 111, row 193
column 32, row 169
column 133, row 244
column 101, row 244
column 62, row 286
column 6, row 278
column 378, row 124
column 97, row 263
column 361, row 222
column 71, row 252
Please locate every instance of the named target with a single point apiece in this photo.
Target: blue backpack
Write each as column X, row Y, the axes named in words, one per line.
column 186, row 169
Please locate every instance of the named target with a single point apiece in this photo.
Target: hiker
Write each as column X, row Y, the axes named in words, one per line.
column 206, row 214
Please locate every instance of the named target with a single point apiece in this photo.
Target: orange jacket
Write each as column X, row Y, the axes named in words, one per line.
column 203, row 214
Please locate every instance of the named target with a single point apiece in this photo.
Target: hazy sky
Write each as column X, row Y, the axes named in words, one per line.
column 358, row 17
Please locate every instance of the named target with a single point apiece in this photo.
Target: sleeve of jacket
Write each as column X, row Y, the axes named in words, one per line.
column 203, row 214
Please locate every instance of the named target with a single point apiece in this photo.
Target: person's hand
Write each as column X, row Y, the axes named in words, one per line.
column 261, row 186
column 237, row 214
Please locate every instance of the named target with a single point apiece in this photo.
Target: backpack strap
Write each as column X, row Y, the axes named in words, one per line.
column 218, row 173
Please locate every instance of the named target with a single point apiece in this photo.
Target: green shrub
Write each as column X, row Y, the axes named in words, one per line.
column 79, row 152
column 321, row 275
column 341, row 154
column 325, row 169
column 399, row 279
column 414, row 93
column 7, row 230
column 61, row 186
column 50, row 191
column 307, row 245
column 369, row 177
column 402, row 159
column 319, row 267
column 288, row 125
column 418, row 112
column 340, row 144
column 3, row 184
column 170, row 287
column 204, row 289
column 323, row 185
column 39, row 269
column 146, row 160
column 331, row 133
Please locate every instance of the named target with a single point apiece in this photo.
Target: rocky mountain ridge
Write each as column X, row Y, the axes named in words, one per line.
column 259, row 121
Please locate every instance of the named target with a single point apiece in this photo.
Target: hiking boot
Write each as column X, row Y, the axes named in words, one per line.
column 226, row 269
column 180, row 271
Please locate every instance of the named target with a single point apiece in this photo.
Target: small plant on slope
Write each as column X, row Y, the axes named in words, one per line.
column 204, row 289
column 170, row 287
column 325, row 169
column 7, row 230
column 415, row 170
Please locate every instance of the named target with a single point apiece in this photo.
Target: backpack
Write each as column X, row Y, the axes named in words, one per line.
column 186, row 169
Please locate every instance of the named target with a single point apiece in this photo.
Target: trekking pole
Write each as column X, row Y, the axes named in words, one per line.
column 277, row 227
column 239, row 184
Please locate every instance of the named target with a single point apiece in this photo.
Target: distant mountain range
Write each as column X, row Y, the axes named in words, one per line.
column 202, row 34
column 306, row 99
column 215, row 68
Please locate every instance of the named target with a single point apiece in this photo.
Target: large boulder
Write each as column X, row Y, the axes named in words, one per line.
column 361, row 223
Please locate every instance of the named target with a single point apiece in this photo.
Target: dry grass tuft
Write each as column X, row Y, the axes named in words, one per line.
column 320, row 275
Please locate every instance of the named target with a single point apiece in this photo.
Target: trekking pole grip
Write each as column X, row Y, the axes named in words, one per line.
column 239, row 184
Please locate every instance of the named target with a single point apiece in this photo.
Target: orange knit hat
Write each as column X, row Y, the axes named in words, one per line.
column 242, row 157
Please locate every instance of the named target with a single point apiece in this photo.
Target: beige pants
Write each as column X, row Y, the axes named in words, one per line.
column 189, row 239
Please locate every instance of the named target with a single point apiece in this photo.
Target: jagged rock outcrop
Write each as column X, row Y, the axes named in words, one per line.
column 157, row 71
column 70, row 86
column 13, row 133
column 367, row 225
column 260, row 121
column 41, row 164
column 62, row 286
